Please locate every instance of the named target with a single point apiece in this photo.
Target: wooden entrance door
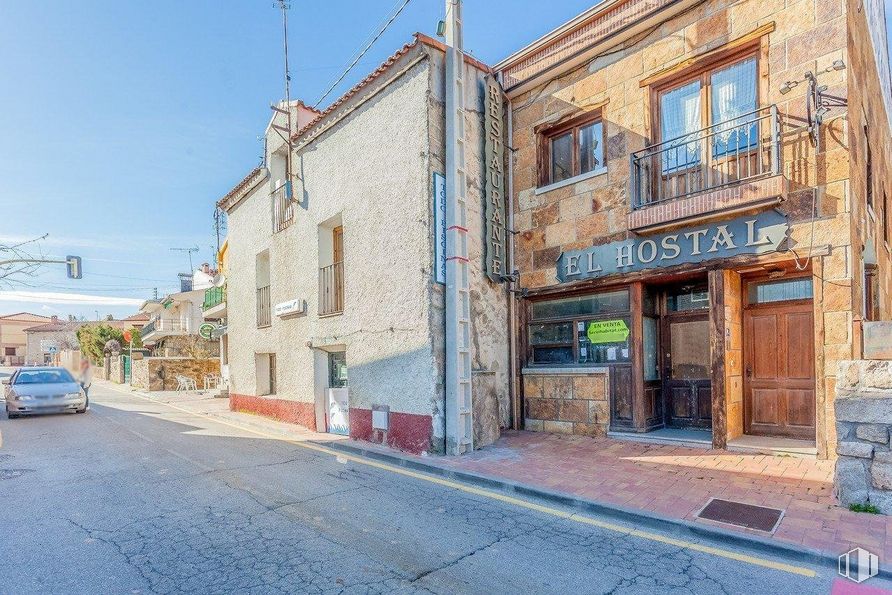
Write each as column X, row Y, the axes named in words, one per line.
column 687, row 363
column 779, row 370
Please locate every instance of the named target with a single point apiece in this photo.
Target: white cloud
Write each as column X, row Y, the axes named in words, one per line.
column 46, row 297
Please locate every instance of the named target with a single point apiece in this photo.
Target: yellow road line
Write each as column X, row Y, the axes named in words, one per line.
column 576, row 517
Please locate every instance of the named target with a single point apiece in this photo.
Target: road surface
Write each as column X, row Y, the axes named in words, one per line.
column 138, row 497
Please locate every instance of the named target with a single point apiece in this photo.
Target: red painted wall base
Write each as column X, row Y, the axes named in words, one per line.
column 295, row 412
column 410, row 432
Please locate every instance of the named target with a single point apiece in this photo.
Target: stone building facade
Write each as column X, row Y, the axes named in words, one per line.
column 335, row 316
column 688, row 231
column 863, row 419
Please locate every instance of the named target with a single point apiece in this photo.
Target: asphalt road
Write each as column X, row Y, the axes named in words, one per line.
column 137, row 497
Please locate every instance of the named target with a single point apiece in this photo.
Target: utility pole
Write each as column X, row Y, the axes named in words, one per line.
column 459, row 419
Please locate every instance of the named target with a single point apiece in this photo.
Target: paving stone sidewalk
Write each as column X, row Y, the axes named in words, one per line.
column 678, row 481
column 671, row 481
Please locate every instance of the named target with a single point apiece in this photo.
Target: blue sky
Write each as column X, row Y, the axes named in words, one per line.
column 122, row 121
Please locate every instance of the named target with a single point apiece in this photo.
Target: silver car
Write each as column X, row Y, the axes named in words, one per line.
column 43, row 390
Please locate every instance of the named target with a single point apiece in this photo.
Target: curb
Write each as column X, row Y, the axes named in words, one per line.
column 676, row 527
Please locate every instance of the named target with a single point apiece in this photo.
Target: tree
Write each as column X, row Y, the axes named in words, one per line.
column 20, row 261
column 93, row 338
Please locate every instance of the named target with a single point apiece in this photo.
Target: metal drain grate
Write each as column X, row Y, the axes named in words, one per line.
column 760, row 518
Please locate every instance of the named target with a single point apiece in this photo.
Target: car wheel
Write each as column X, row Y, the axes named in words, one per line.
column 11, row 415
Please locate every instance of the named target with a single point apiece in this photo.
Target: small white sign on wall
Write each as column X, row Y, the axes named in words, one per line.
column 290, row 308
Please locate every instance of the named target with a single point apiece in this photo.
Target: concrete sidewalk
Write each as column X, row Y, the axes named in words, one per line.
column 659, row 482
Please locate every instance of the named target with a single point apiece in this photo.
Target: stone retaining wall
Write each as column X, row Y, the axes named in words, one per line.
column 863, row 422
column 567, row 401
column 159, row 373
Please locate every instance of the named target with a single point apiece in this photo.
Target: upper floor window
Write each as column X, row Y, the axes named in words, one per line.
column 722, row 99
column 572, row 149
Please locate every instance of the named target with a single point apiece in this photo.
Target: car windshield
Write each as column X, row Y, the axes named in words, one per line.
column 43, row 377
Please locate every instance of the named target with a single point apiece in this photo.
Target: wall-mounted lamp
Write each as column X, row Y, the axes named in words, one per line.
column 441, row 28
column 788, row 86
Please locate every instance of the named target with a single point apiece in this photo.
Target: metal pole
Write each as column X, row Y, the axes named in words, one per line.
column 284, row 6
column 459, row 421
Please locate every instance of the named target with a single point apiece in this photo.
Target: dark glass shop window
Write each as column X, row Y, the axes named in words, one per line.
column 602, row 303
column 696, row 298
column 603, row 341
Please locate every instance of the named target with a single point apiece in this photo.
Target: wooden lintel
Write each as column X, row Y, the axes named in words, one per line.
column 672, row 72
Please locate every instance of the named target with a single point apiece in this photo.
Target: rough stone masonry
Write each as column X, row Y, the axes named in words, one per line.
column 863, row 422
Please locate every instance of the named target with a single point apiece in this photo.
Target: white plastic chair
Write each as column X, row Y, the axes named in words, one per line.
column 211, row 381
column 185, row 383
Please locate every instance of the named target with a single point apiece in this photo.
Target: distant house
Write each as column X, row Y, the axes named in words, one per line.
column 13, row 341
column 45, row 342
column 171, row 329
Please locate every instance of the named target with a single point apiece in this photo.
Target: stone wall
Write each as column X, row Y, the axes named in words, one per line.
column 159, row 373
column 116, row 369
column 863, row 422
column 572, row 401
column 139, row 374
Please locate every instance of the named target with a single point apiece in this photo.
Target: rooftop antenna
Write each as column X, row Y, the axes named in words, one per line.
column 188, row 251
column 284, row 5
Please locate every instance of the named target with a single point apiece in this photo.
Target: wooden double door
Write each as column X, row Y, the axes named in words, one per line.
column 779, row 370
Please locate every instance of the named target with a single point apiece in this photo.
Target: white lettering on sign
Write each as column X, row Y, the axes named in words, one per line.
column 494, row 178
column 764, row 233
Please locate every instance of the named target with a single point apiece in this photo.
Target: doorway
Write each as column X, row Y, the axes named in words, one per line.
column 338, row 399
column 687, row 386
column 779, row 358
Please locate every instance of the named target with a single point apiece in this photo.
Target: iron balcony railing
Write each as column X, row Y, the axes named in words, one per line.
column 331, row 289
column 147, row 329
column 741, row 149
column 283, row 208
column 264, row 307
column 213, row 296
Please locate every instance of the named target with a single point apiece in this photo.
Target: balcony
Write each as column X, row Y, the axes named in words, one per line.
column 727, row 167
column 214, row 305
column 264, row 307
column 165, row 327
column 331, row 289
column 283, row 208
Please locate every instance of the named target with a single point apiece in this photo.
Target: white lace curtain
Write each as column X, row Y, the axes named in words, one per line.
column 734, row 96
column 679, row 117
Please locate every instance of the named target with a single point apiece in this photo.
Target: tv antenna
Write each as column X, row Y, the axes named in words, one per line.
column 288, row 129
column 188, row 251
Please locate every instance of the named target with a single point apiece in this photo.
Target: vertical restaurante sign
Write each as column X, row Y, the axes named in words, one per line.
column 494, row 186
column 753, row 234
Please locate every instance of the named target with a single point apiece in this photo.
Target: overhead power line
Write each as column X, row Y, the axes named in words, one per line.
column 362, row 53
